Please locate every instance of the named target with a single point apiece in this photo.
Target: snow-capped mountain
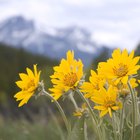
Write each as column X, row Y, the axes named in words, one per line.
column 52, row 42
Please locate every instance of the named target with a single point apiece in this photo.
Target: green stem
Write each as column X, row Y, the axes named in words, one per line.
column 122, row 120
column 85, row 130
column 73, row 101
column 114, row 126
column 133, row 109
column 60, row 110
column 95, row 123
column 88, row 105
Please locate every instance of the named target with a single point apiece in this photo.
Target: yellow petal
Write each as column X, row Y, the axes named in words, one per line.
column 19, row 95
column 70, row 56
column 97, row 100
column 56, row 96
column 125, row 80
column 116, row 53
column 20, row 84
column 99, row 107
column 103, row 112
column 23, row 76
column 115, row 107
column 30, row 73
column 110, row 113
column 131, row 54
column 124, row 54
column 25, row 100
column 135, row 60
column 35, row 70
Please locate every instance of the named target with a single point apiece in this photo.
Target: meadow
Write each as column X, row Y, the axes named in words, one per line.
column 42, row 118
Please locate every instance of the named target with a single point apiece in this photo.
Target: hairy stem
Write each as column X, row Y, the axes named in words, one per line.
column 73, row 101
column 133, row 110
column 114, row 126
column 122, row 120
column 94, row 119
column 85, row 130
column 60, row 110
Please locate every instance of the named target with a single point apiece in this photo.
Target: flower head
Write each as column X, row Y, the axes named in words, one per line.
column 106, row 100
column 28, row 84
column 67, row 75
column 120, row 66
column 96, row 81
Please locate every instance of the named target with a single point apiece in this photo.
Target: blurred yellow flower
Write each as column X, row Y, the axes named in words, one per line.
column 28, row 85
column 96, row 81
column 66, row 76
column 81, row 111
column 107, row 100
column 120, row 66
column 123, row 89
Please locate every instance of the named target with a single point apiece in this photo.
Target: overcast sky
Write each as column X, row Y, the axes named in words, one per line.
column 112, row 22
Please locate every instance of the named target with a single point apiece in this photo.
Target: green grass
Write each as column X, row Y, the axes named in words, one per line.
column 24, row 130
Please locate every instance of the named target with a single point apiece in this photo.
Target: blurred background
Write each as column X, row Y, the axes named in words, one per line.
column 40, row 32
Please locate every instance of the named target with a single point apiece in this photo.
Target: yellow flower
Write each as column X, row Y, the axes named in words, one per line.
column 67, row 75
column 107, row 100
column 120, row 66
column 28, row 85
column 95, row 83
column 81, row 111
column 57, row 91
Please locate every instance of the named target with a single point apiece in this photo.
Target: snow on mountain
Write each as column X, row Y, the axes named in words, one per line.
column 14, row 30
column 52, row 42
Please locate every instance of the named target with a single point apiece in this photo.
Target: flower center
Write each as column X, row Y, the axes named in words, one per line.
column 96, row 86
column 70, row 79
column 30, row 84
column 109, row 103
column 121, row 70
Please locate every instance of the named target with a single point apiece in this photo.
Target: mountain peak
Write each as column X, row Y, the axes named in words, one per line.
column 74, row 33
column 21, row 32
column 15, row 30
column 17, row 23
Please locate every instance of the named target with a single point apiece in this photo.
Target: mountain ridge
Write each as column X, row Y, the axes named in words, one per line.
column 54, row 43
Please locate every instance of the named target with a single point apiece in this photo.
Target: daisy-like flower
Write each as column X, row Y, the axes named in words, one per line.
column 96, row 81
column 107, row 101
column 66, row 76
column 120, row 66
column 28, row 85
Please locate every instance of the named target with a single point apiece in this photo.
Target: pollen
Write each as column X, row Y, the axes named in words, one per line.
column 70, row 79
column 121, row 70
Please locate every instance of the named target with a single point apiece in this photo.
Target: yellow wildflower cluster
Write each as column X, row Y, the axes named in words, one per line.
column 103, row 89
